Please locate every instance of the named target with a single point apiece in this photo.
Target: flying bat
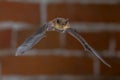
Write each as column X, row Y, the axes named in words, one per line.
column 61, row 25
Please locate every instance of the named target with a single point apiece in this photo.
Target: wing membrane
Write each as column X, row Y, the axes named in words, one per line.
column 86, row 46
column 32, row 40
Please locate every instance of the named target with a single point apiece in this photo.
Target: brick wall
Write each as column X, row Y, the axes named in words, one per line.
column 58, row 56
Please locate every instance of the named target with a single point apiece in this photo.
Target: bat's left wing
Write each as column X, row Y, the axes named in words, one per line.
column 86, row 46
column 32, row 40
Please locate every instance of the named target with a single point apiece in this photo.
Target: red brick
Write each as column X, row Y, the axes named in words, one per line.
column 116, row 35
column 49, row 42
column 98, row 40
column 5, row 38
column 22, row 35
column 72, row 43
column 23, row 12
column 85, row 12
column 114, row 71
column 46, row 65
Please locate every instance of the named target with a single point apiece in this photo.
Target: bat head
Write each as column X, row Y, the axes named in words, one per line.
column 61, row 24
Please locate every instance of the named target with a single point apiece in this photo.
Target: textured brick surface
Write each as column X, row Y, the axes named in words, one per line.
column 5, row 38
column 23, row 12
column 72, row 43
column 116, row 36
column 114, row 71
column 22, row 35
column 62, row 64
column 85, row 12
column 64, row 77
column 46, row 65
column 98, row 40
column 49, row 42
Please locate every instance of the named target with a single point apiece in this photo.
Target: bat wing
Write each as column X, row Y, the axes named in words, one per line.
column 86, row 46
column 32, row 40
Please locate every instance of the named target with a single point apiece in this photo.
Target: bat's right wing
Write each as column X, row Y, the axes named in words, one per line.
column 32, row 40
column 86, row 46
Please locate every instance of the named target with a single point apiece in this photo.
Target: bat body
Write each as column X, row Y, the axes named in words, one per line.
column 61, row 25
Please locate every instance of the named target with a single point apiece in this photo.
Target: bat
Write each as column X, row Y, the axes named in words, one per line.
column 61, row 25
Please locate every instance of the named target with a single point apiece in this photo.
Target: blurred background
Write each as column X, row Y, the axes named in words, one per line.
column 60, row 56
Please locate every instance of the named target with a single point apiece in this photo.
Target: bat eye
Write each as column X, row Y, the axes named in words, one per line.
column 58, row 21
